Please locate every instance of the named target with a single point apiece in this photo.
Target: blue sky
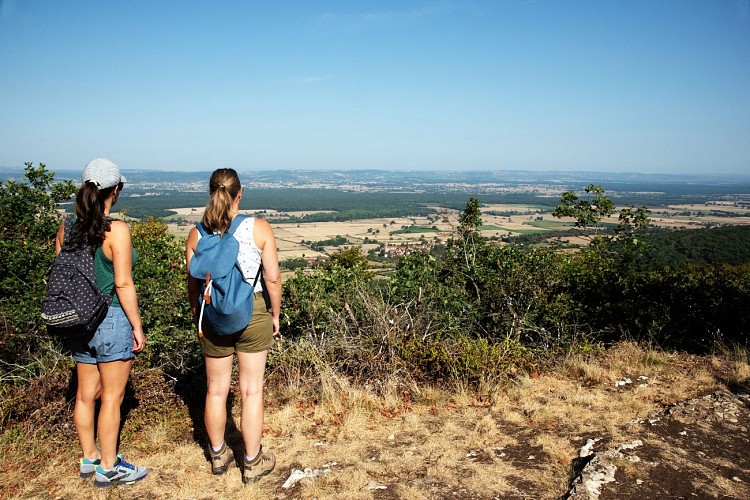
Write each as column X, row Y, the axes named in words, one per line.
column 624, row 86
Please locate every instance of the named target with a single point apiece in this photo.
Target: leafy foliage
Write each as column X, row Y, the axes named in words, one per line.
column 161, row 281
column 587, row 213
column 719, row 245
column 29, row 220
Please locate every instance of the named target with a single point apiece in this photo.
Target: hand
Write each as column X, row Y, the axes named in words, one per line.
column 139, row 340
column 275, row 326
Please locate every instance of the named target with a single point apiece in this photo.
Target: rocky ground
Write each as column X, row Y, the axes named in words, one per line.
column 693, row 449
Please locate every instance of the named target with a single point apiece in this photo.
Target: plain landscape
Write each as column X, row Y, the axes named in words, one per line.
column 345, row 413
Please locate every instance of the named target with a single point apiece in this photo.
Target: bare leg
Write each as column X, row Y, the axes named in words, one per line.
column 114, row 377
column 88, row 391
column 218, row 379
column 252, row 368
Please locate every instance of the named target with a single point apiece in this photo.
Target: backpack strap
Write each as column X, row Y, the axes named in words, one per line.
column 258, row 276
column 68, row 222
column 67, row 228
column 203, row 230
column 238, row 219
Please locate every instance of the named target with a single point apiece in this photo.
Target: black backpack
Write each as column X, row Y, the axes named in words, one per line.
column 74, row 306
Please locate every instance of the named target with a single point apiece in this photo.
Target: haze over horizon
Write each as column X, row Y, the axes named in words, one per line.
column 605, row 86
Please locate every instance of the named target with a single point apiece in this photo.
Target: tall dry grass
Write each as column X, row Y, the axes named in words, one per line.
column 515, row 439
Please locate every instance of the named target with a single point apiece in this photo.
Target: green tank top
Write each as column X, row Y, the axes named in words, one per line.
column 104, row 270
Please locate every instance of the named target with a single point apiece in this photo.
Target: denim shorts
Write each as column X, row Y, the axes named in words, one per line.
column 112, row 341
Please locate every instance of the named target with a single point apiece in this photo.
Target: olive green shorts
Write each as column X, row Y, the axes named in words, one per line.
column 256, row 337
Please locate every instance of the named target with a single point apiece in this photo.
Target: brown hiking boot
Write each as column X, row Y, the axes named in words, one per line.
column 220, row 460
column 261, row 465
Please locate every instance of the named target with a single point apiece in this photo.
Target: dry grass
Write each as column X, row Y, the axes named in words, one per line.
column 516, row 440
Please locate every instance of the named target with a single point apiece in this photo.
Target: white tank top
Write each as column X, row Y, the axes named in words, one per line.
column 249, row 255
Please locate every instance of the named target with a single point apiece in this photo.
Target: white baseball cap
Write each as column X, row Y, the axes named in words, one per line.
column 103, row 173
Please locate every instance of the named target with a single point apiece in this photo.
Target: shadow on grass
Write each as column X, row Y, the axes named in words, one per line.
column 191, row 389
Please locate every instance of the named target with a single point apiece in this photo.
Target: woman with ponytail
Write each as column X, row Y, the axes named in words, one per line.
column 104, row 358
column 257, row 245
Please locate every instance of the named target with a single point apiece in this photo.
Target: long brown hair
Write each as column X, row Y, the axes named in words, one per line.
column 91, row 224
column 224, row 187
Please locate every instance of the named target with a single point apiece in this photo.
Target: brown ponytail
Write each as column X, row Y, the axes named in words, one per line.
column 224, row 187
column 91, row 224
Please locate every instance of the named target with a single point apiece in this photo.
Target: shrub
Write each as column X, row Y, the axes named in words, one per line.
column 29, row 220
column 160, row 276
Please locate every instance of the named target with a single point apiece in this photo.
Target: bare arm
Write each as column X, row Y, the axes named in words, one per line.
column 60, row 237
column 266, row 241
column 120, row 246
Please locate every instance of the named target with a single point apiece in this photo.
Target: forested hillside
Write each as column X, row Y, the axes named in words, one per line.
column 719, row 245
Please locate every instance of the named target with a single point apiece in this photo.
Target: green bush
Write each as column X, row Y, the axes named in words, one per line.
column 160, row 276
column 29, row 220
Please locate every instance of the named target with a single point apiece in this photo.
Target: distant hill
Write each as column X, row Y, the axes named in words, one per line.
column 616, row 181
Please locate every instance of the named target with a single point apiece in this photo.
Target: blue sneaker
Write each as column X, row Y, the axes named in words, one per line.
column 88, row 467
column 122, row 473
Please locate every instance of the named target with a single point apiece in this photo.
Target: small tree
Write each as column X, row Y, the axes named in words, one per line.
column 468, row 231
column 586, row 212
column 471, row 218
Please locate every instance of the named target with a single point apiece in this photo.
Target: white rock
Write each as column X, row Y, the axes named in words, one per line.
column 293, row 478
column 297, row 475
column 587, row 449
column 598, row 478
column 372, row 485
column 629, row 446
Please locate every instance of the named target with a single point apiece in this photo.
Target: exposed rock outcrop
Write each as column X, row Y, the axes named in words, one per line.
column 698, row 448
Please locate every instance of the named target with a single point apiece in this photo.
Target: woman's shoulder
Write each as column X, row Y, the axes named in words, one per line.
column 119, row 231
column 262, row 225
column 118, row 226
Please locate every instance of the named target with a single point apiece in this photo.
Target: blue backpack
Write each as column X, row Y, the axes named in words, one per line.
column 226, row 298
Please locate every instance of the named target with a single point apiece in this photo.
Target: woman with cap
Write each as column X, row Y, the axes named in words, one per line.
column 257, row 249
column 104, row 358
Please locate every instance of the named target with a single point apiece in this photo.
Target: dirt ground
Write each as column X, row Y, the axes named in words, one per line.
column 628, row 423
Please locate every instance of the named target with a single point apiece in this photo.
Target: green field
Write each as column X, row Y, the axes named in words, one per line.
column 521, row 231
column 414, row 229
column 548, row 224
